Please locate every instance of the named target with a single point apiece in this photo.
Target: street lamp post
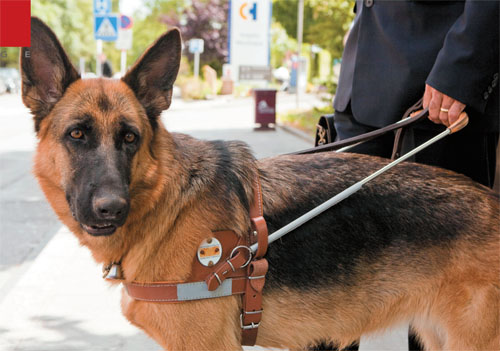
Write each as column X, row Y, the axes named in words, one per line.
column 300, row 27
column 98, row 66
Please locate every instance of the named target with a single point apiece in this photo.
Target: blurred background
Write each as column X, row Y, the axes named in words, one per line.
column 325, row 23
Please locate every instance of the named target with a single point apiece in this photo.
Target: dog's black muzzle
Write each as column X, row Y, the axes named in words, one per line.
column 100, row 210
column 99, row 192
column 109, row 212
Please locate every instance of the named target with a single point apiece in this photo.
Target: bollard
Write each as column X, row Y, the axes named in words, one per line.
column 265, row 109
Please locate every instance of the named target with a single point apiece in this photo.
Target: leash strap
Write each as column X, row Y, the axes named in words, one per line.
column 364, row 137
column 400, row 133
column 259, row 226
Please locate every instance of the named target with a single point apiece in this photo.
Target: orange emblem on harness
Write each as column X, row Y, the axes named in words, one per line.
column 209, row 252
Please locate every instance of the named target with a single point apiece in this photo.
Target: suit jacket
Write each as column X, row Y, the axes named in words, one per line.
column 395, row 47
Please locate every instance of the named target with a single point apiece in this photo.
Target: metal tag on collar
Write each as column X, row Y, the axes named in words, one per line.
column 112, row 271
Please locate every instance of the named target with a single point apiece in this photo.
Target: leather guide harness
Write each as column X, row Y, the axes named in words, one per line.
column 239, row 272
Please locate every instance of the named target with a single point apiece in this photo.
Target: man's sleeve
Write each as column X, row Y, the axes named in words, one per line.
column 466, row 67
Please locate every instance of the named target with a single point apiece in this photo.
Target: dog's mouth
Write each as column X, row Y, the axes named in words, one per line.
column 99, row 229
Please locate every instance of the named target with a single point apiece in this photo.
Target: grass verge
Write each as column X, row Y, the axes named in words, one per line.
column 304, row 120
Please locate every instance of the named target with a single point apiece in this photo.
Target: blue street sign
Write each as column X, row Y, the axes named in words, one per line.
column 106, row 27
column 102, row 7
column 196, row 46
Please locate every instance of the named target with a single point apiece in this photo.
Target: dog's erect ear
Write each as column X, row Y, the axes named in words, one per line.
column 152, row 76
column 46, row 71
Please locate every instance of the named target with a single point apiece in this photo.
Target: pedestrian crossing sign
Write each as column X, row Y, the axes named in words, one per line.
column 106, row 27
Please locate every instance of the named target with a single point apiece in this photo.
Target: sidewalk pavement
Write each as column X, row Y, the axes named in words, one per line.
column 61, row 302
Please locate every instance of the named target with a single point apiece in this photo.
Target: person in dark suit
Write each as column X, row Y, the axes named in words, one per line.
column 445, row 51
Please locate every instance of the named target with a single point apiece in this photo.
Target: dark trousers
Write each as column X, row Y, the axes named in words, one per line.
column 471, row 154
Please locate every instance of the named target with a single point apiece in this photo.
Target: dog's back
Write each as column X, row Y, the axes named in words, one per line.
column 417, row 244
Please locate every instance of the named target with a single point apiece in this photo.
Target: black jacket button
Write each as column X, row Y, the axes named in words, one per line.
column 368, row 3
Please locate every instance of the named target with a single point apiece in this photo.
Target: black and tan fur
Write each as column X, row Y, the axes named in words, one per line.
column 418, row 244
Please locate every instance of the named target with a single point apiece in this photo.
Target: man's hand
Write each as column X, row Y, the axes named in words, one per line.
column 442, row 108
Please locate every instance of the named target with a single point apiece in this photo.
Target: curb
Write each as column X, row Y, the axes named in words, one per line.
column 297, row 132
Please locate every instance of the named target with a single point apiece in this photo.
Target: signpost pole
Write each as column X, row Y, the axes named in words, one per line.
column 82, row 66
column 105, row 28
column 196, row 64
column 124, row 41
column 196, row 47
column 123, row 62
column 300, row 26
column 98, row 66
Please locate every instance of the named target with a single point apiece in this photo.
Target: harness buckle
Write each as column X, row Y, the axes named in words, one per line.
column 235, row 250
column 253, row 312
column 251, row 325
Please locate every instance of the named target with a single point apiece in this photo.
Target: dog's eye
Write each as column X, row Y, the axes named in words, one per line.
column 76, row 133
column 129, row 137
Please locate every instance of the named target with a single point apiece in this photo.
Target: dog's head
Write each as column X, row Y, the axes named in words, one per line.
column 92, row 132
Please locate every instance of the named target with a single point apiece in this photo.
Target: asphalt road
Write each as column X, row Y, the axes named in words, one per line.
column 26, row 221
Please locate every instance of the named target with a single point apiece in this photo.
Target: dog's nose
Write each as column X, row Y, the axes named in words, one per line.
column 110, row 207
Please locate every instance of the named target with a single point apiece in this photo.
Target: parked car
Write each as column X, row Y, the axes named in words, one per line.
column 11, row 78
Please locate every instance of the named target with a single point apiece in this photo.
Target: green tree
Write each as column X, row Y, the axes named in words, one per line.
column 9, row 57
column 72, row 21
column 325, row 21
column 149, row 25
column 281, row 44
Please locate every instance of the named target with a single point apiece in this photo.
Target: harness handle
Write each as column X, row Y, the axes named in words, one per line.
column 460, row 123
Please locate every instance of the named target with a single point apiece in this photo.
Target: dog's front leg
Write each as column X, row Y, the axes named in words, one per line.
column 210, row 324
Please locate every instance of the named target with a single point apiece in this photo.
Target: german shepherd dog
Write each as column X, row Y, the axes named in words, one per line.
column 418, row 244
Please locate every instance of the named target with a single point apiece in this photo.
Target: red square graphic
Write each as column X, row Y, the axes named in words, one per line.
column 15, row 23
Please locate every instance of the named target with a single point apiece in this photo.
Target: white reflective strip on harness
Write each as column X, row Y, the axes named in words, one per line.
column 199, row 290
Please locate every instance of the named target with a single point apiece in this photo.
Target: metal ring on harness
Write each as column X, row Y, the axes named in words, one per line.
column 249, row 254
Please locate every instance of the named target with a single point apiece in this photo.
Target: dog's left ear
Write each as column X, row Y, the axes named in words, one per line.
column 46, row 71
column 152, row 76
